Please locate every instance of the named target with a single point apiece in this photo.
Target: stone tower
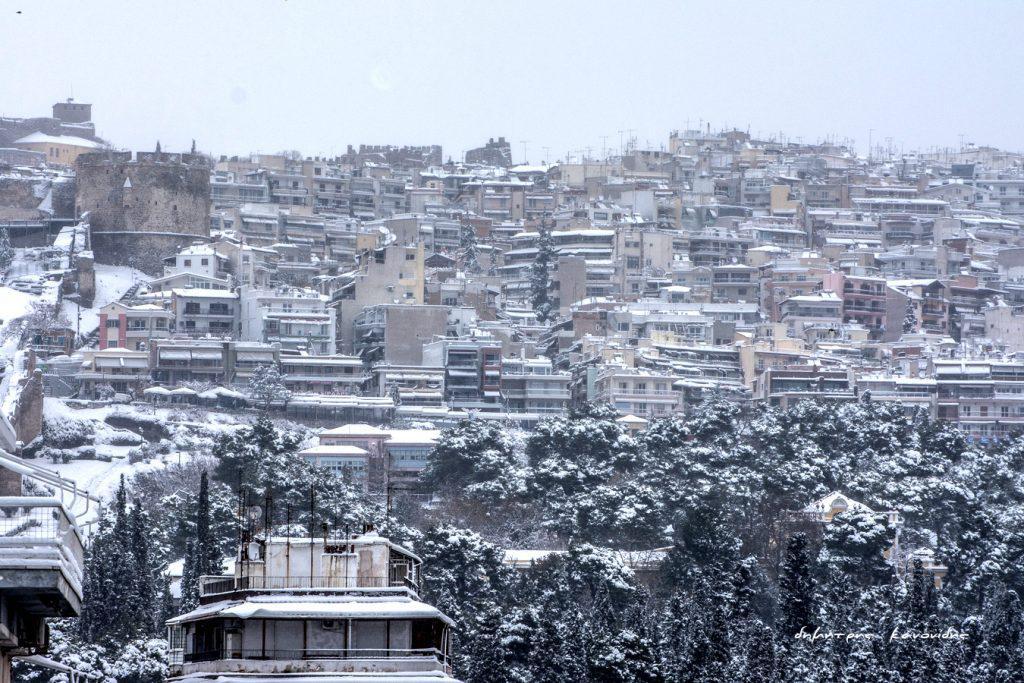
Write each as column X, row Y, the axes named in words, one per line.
column 143, row 207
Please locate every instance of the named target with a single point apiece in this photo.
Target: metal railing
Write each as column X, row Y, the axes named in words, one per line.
column 181, row 657
column 37, row 532
column 215, row 585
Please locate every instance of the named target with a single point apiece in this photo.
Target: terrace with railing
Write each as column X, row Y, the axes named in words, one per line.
column 220, row 585
column 41, row 554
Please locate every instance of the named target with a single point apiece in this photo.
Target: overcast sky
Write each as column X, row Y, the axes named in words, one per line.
column 267, row 75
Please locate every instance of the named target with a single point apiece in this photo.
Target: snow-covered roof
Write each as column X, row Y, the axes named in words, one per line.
column 356, row 429
column 37, row 138
column 834, row 500
column 316, row 607
column 336, row 449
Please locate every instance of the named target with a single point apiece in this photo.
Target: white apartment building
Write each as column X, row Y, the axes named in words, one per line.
column 295, row 318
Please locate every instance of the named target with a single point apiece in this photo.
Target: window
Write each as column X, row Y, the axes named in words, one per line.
column 113, row 323
column 205, row 262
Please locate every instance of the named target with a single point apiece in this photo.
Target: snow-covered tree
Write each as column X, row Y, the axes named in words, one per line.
column 909, row 318
column 540, row 274
column 6, row 250
column 266, row 387
column 470, row 249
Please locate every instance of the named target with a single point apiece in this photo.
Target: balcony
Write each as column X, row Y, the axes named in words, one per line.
column 221, row 585
column 178, row 657
column 41, row 556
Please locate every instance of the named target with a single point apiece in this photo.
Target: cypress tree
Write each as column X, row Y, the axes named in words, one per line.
column 796, row 588
column 540, row 274
column 144, row 597
column 189, row 578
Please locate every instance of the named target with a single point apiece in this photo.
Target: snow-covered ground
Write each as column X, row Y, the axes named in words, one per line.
column 101, row 478
column 111, row 283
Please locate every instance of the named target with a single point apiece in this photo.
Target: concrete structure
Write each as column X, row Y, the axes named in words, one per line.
column 337, row 607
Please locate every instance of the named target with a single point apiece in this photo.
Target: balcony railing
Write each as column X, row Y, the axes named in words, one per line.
column 39, row 533
column 216, row 585
column 181, row 657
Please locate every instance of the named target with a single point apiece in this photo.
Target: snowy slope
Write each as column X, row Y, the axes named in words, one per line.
column 111, row 283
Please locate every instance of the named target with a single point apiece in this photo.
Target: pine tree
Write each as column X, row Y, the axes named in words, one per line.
column 540, row 274
column 6, row 250
column 266, row 386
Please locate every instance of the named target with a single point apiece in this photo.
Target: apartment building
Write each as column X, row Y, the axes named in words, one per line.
column 205, row 312
column 986, row 397
column 124, row 370
column 296, row 319
column 532, row 385
column 472, row 378
column 133, row 327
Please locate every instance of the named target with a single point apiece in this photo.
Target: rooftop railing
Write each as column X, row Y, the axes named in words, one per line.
column 181, row 657
column 217, row 585
column 40, row 533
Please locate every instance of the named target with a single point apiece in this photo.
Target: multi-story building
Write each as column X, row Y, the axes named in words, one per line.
column 126, row 371
column 205, row 312
column 820, row 308
column 986, row 397
column 863, row 300
column 335, row 607
column 333, row 374
column 472, row 371
column 296, row 319
column 637, row 392
column 784, row 386
column 531, row 385
column 133, row 327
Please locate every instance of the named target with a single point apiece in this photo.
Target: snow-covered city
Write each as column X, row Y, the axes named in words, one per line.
column 519, row 359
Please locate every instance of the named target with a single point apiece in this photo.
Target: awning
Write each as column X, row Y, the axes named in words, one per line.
column 255, row 357
column 175, row 355
column 207, row 355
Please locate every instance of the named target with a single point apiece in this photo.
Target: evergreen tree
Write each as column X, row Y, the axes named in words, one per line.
column 470, row 250
column 796, row 588
column 909, row 318
column 492, row 263
column 266, row 387
column 143, row 589
column 202, row 555
column 6, row 250
column 189, row 578
column 758, row 663
column 540, row 274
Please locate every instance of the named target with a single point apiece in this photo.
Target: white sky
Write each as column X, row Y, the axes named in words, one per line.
column 268, row 75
